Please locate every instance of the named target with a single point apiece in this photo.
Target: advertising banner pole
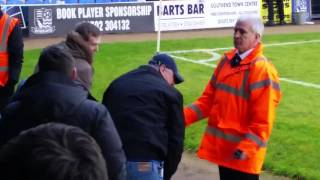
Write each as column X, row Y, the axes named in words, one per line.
column 159, row 27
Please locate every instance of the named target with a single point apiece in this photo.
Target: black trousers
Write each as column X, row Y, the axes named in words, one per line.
column 271, row 10
column 230, row 174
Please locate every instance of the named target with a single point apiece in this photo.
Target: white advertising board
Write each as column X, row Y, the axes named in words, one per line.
column 202, row 14
column 180, row 15
column 222, row 13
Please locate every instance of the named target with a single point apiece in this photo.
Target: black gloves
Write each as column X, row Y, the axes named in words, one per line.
column 238, row 154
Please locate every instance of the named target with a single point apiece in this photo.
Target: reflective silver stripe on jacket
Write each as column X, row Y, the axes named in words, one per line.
column 221, row 134
column 234, row 138
column 196, row 109
column 256, row 139
column 3, row 43
column 265, row 83
column 242, row 92
column 3, row 69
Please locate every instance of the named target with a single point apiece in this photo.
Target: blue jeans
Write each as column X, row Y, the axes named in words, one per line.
column 146, row 170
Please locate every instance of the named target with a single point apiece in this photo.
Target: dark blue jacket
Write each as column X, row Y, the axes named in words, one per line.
column 148, row 114
column 53, row 97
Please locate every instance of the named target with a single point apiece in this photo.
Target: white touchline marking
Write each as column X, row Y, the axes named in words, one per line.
column 292, row 43
column 302, row 83
column 204, row 62
column 193, row 61
column 217, row 56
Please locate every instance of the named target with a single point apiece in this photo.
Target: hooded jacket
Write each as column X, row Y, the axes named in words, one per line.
column 84, row 57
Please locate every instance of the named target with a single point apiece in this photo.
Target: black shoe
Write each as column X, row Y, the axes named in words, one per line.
column 270, row 23
column 282, row 22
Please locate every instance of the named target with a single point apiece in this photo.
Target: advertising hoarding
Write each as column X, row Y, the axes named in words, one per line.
column 109, row 18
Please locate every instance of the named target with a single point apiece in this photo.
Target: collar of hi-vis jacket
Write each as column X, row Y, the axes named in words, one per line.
column 257, row 51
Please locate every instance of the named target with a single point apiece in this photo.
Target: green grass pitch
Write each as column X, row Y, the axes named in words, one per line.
column 294, row 147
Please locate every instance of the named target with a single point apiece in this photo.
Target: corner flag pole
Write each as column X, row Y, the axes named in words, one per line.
column 159, row 27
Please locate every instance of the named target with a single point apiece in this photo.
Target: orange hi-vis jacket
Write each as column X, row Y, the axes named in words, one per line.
column 240, row 105
column 7, row 25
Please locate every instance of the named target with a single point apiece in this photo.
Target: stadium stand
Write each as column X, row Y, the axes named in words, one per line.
column 86, row 1
column 59, row 1
column 34, row 1
column 103, row 1
column 15, row 1
column 71, row 1
column 50, row 2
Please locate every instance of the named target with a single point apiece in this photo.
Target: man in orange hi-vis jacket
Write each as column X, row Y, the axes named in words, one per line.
column 11, row 56
column 239, row 101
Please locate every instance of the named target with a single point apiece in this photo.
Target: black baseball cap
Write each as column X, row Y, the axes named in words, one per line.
column 169, row 62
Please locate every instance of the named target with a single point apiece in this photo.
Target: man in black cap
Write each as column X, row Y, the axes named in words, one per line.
column 148, row 113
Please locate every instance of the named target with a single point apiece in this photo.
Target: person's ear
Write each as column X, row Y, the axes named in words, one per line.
column 162, row 68
column 74, row 74
column 258, row 37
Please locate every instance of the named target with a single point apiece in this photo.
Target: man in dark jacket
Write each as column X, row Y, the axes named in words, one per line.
column 51, row 95
column 11, row 51
column 147, row 111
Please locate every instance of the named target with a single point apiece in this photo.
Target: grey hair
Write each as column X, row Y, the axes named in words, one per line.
column 255, row 22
